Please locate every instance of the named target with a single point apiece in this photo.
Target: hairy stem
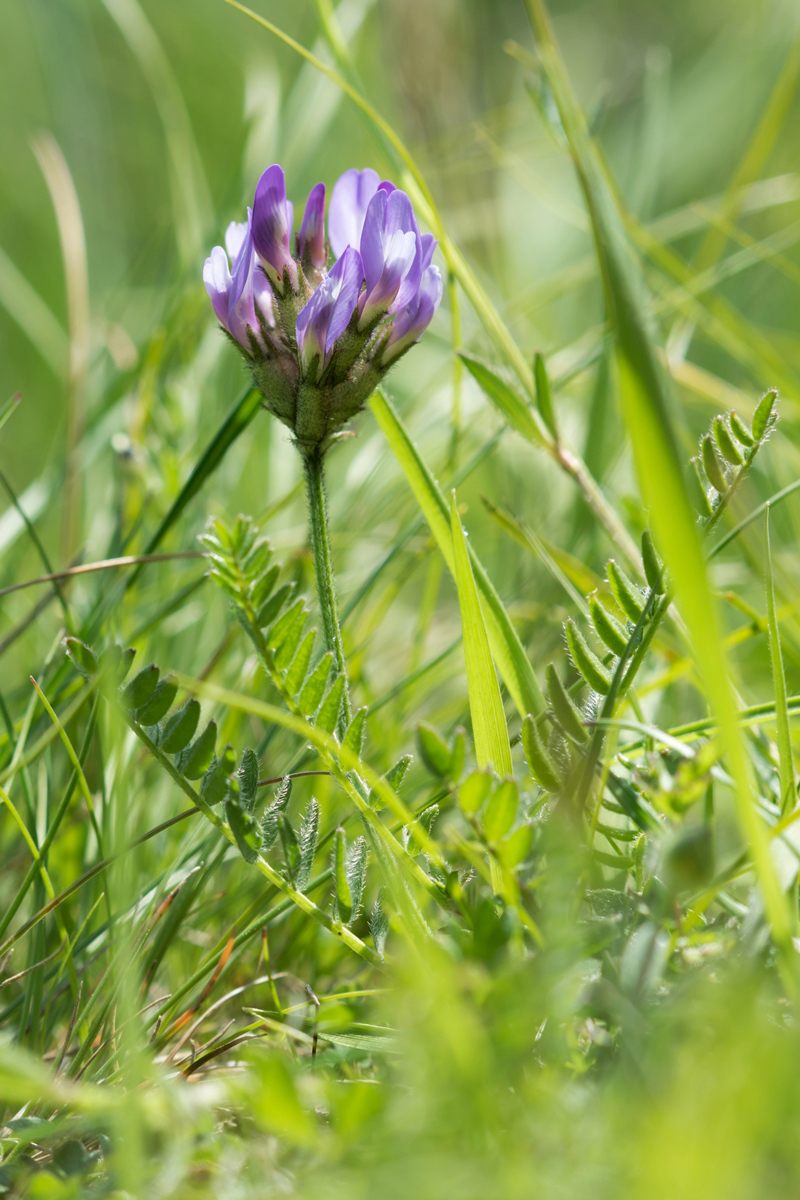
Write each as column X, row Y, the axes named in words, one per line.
column 323, row 567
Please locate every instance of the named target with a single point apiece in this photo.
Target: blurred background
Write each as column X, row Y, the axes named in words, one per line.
column 133, row 131
column 137, row 130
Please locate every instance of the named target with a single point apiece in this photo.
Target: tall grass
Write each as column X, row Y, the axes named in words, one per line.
column 524, row 920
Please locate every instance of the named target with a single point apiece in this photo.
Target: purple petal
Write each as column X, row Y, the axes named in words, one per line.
column 372, row 239
column 429, row 244
column 326, row 316
column 233, row 296
column 217, row 278
column 350, row 197
column 391, row 250
column 235, row 236
column 349, row 274
column 311, row 239
column 243, row 266
column 272, row 224
column 411, row 322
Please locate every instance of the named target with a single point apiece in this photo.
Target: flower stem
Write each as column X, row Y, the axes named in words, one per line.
column 323, row 566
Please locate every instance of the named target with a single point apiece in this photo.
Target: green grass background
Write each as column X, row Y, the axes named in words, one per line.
column 503, row 1080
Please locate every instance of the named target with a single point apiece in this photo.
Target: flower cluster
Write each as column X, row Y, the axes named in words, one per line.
column 319, row 338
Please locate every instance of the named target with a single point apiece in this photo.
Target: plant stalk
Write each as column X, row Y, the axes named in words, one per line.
column 323, row 566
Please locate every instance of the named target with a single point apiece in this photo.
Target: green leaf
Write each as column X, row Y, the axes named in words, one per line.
column 512, row 661
column 309, row 839
column 697, row 488
column 245, row 829
column 298, row 668
column 195, row 760
column 262, row 590
column 544, row 398
column 159, row 703
column 541, row 765
column 269, row 824
column 328, row 716
column 764, row 416
column 180, row 728
column 433, row 750
column 489, row 728
column 473, row 791
column 255, row 563
column 787, row 773
column 355, row 733
column 565, row 710
column 314, row 687
column 81, row 657
column 725, row 443
column 395, row 775
column 286, row 626
column 740, row 430
column 136, row 693
column 626, row 593
column 501, row 811
column 607, row 627
column 425, row 822
column 291, row 847
column 215, row 780
column 712, row 464
column 344, row 900
column 248, row 779
column 379, row 924
column 271, row 608
column 589, row 665
column 506, row 400
column 356, row 871
column 653, row 567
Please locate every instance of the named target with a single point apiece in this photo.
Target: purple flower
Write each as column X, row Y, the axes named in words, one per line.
column 273, row 216
column 391, row 251
column 235, row 295
column 328, row 312
column 311, row 238
column 350, row 197
column 411, row 322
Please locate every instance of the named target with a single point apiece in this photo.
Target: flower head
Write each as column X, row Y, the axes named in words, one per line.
column 319, row 341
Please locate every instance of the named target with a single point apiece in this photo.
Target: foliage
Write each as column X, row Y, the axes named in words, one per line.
column 524, row 919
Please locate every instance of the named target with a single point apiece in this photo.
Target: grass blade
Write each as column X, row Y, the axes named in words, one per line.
column 646, row 411
column 509, row 654
column 787, row 776
column 507, row 401
column 489, row 729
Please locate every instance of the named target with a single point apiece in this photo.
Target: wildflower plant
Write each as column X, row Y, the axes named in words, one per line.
column 506, row 904
column 320, row 321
